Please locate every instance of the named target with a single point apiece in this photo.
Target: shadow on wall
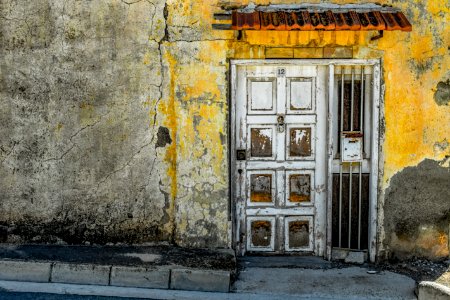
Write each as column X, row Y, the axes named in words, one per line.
column 417, row 212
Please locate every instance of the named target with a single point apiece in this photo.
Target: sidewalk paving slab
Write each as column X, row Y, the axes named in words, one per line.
column 200, row 280
column 80, row 274
column 156, row 278
column 25, row 270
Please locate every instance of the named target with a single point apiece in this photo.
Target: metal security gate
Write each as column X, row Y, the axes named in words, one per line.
column 304, row 155
column 351, row 160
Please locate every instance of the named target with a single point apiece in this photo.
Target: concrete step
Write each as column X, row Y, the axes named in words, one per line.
column 29, row 264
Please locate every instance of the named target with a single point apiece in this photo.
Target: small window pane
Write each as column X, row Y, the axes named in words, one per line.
column 261, row 188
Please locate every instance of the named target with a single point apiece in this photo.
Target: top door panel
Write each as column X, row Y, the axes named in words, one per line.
column 261, row 95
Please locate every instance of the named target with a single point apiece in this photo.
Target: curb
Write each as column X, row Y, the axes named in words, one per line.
column 158, row 277
column 429, row 290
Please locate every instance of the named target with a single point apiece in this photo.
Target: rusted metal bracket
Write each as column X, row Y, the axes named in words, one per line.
column 377, row 37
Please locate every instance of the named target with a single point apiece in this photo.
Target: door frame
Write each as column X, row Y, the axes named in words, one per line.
column 374, row 183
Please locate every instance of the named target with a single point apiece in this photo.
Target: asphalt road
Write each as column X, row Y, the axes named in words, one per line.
column 41, row 296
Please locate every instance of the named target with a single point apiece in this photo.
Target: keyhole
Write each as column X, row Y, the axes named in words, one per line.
column 280, row 120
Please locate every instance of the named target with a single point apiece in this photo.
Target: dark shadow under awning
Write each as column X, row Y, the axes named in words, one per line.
column 316, row 17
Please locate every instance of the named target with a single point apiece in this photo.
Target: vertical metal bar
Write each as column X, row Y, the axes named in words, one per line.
column 361, row 125
column 340, row 165
column 361, row 128
column 359, row 205
column 352, row 98
column 350, row 206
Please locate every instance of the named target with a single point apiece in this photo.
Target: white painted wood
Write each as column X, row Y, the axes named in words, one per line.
column 292, row 211
column 281, row 165
column 373, row 198
column 306, row 119
column 281, row 177
column 320, row 153
column 368, row 107
column 332, row 94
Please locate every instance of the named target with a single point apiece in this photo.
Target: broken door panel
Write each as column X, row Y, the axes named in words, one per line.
column 299, row 233
column 300, row 142
column 261, row 233
column 262, row 142
column 299, row 186
column 262, row 187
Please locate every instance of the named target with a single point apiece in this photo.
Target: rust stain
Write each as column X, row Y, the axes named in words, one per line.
column 300, row 142
column 261, row 188
column 299, row 188
column 319, row 20
column 261, row 142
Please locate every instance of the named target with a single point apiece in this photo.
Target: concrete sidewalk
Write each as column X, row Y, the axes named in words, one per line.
column 158, row 272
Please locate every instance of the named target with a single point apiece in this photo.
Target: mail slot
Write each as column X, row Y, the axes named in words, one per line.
column 352, row 144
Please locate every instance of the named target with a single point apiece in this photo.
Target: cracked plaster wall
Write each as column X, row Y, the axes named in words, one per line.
column 90, row 90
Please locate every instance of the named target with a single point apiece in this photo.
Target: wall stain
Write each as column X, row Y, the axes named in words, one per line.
column 163, row 136
column 417, row 211
column 442, row 94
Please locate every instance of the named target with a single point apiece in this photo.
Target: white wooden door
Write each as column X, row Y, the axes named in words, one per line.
column 280, row 143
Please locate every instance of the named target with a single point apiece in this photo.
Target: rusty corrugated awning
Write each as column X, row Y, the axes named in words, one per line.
column 319, row 17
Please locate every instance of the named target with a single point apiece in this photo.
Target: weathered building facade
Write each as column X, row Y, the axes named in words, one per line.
column 118, row 125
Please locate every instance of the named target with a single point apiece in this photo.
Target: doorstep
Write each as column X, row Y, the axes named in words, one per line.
column 161, row 267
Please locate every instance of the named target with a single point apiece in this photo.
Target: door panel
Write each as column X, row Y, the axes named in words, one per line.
column 280, row 116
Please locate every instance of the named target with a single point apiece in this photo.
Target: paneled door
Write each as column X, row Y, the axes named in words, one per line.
column 280, row 138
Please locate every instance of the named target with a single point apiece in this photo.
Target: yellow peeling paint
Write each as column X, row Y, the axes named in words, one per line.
column 168, row 109
column 197, row 82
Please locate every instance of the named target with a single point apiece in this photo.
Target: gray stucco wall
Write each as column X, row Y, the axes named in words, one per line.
column 82, row 143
